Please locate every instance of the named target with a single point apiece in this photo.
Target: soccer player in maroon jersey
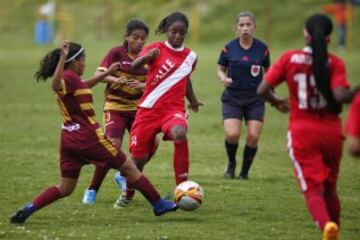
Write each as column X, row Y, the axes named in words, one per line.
column 161, row 108
column 124, row 88
column 82, row 140
column 353, row 126
column 317, row 86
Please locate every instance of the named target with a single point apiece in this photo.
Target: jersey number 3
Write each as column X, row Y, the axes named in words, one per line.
column 308, row 95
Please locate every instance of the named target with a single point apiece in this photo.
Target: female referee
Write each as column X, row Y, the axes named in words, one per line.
column 317, row 86
column 240, row 69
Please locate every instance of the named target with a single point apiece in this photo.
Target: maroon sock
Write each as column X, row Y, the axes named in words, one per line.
column 332, row 202
column 98, row 177
column 47, row 197
column 317, row 207
column 181, row 161
column 146, row 188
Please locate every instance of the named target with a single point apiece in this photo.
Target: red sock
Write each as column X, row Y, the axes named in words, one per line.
column 98, row 177
column 146, row 188
column 47, row 197
column 317, row 207
column 181, row 161
column 332, row 202
column 130, row 192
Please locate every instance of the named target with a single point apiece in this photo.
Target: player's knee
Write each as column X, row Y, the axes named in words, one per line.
column 252, row 139
column 66, row 190
column 178, row 133
column 232, row 137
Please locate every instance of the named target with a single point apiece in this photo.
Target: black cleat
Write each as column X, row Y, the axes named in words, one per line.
column 20, row 216
column 243, row 177
column 229, row 171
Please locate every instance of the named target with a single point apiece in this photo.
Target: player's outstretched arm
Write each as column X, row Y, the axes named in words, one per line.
column 266, row 91
column 97, row 78
column 150, row 55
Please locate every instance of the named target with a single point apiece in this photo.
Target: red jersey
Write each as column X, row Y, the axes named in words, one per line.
column 167, row 77
column 353, row 119
column 306, row 102
column 120, row 97
column 80, row 128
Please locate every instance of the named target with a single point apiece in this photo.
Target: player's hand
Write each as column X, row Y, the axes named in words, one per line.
column 65, row 48
column 227, row 81
column 282, row 105
column 152, row 54
column 136, row 84
column 195, row 106
column 114, row 67
column 118, row 80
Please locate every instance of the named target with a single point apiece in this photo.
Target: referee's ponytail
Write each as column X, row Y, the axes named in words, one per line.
column 319, row 27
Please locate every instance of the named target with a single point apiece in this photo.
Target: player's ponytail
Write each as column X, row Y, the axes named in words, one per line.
column 319, row 27
column 169, row 20
column 49, row 62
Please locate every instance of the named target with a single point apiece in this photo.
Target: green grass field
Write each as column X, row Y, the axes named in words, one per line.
column 268, row 206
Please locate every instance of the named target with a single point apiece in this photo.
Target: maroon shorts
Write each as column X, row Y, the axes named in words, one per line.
column 103, row 154
column 315, row 156
column 115, row 123
column 145, row 127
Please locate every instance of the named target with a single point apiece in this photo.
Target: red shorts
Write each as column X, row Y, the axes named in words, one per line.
column 116, row 122
column 102, row 154
column 147, row 124
column 316, row 155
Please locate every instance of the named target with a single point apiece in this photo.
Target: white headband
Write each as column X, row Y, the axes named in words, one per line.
column 74, row 56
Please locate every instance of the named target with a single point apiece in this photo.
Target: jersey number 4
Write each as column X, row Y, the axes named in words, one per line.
column 308, row 95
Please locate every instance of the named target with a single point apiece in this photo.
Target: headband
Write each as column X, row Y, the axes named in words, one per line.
column 74, row 56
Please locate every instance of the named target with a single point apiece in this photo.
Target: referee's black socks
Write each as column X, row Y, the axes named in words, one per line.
column 248, row 156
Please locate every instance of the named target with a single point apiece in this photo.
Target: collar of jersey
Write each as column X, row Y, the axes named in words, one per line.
column 307, row 49
column 179, row 49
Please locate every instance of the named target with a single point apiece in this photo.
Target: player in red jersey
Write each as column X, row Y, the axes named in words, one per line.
column 161, row 108
column 353, row 126
column 82, row 140
column 317, row 86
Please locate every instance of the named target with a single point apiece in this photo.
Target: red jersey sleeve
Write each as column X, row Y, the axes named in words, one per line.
column 276, row 73
column 338, row 74
column 353, row 119
column 145, row 50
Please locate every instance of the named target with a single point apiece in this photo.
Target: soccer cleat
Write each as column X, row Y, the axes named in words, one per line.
column 120, row 181
column 331, row 231
column 243, row 177
column 122, row 201
column 229, row 171
column 89, row 197
column 170, row 196
column 163, row 206
column 21, row 215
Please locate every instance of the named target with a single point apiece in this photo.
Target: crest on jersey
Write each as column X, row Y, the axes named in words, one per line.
column 255, row 70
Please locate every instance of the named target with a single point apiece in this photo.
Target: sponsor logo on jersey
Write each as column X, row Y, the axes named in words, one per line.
column 133, row 141
column 255, row 70
column 163, row 71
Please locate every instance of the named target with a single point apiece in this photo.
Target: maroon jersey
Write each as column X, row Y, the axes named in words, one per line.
column 120, row 97
column 80, row 129
column 167, row 77
column 353, row 119
column 306, row 102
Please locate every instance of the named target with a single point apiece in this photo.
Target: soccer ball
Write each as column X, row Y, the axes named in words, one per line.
column 188, row 195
